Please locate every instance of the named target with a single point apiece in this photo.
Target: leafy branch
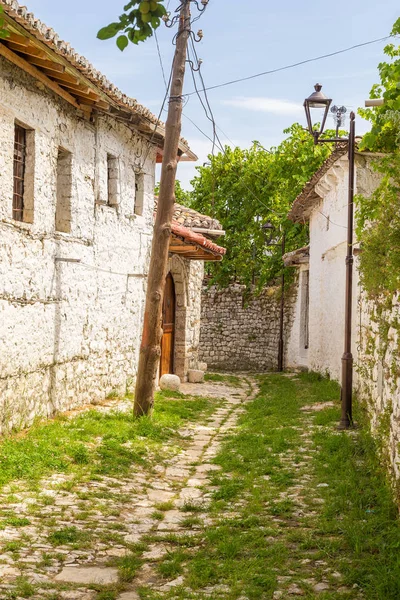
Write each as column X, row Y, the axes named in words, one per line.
column 137, row 23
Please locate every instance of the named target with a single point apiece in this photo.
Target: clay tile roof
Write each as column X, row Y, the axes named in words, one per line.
column 188, row 217
column 48, row 36
column 191, row 218
column 297, row 257
column 196, row 238
column 305, row 201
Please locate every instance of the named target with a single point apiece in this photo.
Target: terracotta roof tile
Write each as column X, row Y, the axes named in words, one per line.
column 47, row 35
column 196, row 238
column 193, row 219
column 304, row 202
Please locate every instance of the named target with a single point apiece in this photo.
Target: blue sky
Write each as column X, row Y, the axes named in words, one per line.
column 241, row 38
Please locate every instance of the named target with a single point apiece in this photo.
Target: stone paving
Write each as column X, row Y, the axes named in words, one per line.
column 79, row 565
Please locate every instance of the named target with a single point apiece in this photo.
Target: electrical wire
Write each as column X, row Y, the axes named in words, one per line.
column 168, row 85
column 293, row 65
column 212, row 119
column 161, row 62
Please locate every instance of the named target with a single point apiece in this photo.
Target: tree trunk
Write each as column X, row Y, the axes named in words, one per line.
column 150, row 349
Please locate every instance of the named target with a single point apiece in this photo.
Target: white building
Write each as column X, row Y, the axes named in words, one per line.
column 317, row 336
column 77, row 168
column 316, row 339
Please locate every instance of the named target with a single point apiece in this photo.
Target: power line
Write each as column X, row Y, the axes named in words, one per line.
column 293, row 65
column 166, row 86
column 159, row 56
column 212, row 119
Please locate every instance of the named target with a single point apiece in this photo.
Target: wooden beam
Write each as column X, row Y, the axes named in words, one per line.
column 63, row 77
column 26, row 49
column 182, row 249
column 46, row 64
column 28, row 68
column 21, row 36
column 18, row 39
column 95, row 103
column 75, row 88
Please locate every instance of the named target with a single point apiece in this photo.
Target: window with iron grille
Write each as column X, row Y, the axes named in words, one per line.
column 19, row 172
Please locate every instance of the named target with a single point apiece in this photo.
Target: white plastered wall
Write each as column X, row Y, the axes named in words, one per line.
column 71, row 304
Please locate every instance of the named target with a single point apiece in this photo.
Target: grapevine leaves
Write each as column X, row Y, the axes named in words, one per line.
column 136, row 24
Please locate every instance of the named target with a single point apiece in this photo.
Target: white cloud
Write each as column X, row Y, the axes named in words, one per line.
column 261, row 104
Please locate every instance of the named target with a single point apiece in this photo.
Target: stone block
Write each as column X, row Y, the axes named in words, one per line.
column 195, row 376
column 170, row 382
column 202, row 366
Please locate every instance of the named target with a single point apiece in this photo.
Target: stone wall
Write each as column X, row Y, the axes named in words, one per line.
column 71, row 299
column 377, row 368
column 240, row 333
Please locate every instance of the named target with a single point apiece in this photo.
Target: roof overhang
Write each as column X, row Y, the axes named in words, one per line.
column 308, row 198
column 298, row 257
column 37, row 50
column 193, row 246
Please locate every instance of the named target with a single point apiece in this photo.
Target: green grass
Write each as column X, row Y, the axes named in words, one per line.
column 69, row 535
column 229, row 379
column 94, row 444
column 354, row 532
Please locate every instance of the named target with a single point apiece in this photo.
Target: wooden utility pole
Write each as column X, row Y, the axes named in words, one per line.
column 150, row 349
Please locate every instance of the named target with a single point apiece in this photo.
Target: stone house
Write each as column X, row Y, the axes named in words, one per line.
column 316, row 337
column 77, row 170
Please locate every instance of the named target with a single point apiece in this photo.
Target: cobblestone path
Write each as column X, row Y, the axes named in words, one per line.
column 248, row 500
column 76, row 562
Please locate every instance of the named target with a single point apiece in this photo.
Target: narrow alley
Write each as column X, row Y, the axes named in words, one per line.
column 245, row 492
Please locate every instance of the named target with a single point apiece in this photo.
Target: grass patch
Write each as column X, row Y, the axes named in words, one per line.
column 95, row 444
column 359, row 508
column 69, row 535
column 232, row 380
column 270, row 526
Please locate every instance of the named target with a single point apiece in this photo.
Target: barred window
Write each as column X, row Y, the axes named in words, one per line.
column 19, row 172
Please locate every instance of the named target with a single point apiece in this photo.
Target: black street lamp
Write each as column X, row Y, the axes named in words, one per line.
column 320, row 101
column 270, row 241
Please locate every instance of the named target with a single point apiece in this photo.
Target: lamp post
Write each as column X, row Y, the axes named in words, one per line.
column 269, row 242
column 318, row 100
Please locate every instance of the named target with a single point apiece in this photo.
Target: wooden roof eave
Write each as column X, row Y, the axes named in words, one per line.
column 58, row 74
column 191, row 250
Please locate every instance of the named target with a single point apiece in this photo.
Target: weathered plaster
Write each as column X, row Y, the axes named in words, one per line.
column 71, row 304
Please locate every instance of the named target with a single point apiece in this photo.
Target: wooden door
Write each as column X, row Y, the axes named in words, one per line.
column 168, row 325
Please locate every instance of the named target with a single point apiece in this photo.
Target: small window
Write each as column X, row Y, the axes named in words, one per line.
column 139, row 194
column 112, row 180
column 19, row 172
column 23, row 174
column 64, row 191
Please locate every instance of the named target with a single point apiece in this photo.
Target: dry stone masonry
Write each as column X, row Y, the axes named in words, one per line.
column 240, row 332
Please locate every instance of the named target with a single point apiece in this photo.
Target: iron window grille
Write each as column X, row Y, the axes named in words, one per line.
column 19, row 172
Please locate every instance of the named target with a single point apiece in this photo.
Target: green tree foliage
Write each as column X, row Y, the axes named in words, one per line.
column 384, row 134
column 137, row 23
column 378, row 228
column 378, row 217
column 246, row 189
column 181, row 196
